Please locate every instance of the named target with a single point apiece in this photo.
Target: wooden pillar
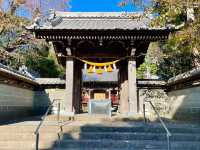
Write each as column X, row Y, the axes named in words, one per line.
column 89, row 93
column 69, row 87
column 132, row 86
column 77, row 87
column 109, row 94
column 123, row 77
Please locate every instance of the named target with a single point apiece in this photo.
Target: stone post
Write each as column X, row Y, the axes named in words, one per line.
column 132, row 86
column 69, row 86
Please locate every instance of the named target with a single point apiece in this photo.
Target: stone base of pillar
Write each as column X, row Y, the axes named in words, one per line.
column 64, row 113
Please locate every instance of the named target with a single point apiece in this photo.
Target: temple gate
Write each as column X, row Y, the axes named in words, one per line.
column 99, row 37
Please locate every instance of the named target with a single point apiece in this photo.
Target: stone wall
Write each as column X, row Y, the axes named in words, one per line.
column 178, row 100
column 44, row 97
column 182, row 104
column 159, row 99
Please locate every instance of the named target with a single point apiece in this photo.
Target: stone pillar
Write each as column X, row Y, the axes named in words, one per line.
column 69, row 87
column 132, row 86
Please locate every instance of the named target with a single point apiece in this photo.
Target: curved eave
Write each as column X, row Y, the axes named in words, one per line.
column 110, row 34
column 185, row 77
column 116, row 29
column 16, row 76
column 151, row 83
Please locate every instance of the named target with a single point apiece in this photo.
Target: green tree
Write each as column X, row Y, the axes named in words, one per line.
column 181, row 52
column 25, row 49
column 45, row 66
column 150, row 65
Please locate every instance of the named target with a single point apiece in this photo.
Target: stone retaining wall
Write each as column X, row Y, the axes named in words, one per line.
column 182, row 104
column 159, row 99
column 44, row 97
column 181, row 99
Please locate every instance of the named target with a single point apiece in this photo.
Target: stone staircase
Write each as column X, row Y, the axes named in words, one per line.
column 129, row 137
column 98, row 135
column 22, row 137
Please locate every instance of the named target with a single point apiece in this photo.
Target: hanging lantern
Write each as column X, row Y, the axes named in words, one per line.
column 90, row 70
column 99, row 70
column 109, row 69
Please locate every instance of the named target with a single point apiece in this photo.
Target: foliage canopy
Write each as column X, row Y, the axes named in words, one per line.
column 25, row 49
column 181, row 52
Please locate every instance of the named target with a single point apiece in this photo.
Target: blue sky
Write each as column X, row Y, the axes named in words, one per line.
column 87, row 6
column 99, row 6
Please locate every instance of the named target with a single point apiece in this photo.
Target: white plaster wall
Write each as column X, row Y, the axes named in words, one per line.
column 19, row 102
column 14, row 96
column 15, row 101
column 185, row 103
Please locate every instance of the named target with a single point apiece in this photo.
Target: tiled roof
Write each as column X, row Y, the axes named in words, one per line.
column 50, row 81
column 102, row 24
column 192, row 74
column 97, row 14
column 93, row 21
column 15, row 74
column 150, row 83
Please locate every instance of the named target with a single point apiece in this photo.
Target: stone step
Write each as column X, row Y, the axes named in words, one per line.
column 25, row 145
column 116, row 149
column 27, row 129
column 71, row 129
column 131, row 136
column 28, row 136
column 147, row 129
column 127, row 144
column 95, row 118
column 106, row 149
column 97, row 136
column 103, row 127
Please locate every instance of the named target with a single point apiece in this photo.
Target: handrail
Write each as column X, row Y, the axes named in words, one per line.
column 168, row 133
column 37, row 131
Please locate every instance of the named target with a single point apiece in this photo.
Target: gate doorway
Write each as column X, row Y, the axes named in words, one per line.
column 100, row 87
